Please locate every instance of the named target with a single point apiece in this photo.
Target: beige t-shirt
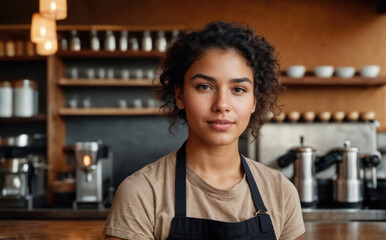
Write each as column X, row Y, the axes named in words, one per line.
column 143, row 206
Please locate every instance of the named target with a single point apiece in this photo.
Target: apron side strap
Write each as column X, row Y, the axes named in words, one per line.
column 253, row 187
column 180, row 183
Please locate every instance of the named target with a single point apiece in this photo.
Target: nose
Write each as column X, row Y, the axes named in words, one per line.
column 221, row 101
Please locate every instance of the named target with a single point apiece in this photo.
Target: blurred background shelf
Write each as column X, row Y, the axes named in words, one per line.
column 110, row 111
column 113, row 54
column 106, row 82
column 311, row 80
column 38, row 118
column 23, row 58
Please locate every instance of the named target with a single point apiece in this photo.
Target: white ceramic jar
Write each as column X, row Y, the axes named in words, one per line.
column 25, row 95
column 95, row 43
column 124, row 41
column 161, row 42
column 147, row 44
column 75, row 41
column 5, row 99
column 110, row 44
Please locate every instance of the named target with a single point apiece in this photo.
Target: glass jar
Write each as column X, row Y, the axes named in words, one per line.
column 25, row 94
column 161, row 43
column 30, row 48
column 110, row 41
column 123, row 41
column 10, row 48
column 134, row 45
column 19, row 48
column 146, row 42
column 5, row 99
column 63, row 43
column 95, row 43
column 75, row 41
column 175, row 34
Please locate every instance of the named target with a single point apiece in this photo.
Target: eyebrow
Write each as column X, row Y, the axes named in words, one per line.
column 212, row 79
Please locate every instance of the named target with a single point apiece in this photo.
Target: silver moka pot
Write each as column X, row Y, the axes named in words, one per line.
column 348, row 187
column 303, row 178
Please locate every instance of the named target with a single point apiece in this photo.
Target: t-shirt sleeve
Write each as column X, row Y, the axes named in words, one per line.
column 293, row 218
column 132, row 213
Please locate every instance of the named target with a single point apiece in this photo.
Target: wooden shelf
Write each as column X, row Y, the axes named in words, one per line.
column 23, row 58
column 311, row 80
column 87, row 53
column 110, row 111
column 27, row 27
column 106, row 82
column 120, row 28
column 38, row 118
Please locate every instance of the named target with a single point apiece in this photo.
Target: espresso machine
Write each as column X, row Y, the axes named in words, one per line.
column 303, row 178
column 22, row 182
column 348, row 186
column 93, row 175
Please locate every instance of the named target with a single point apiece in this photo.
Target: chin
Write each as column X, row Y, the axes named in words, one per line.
column 221, row 140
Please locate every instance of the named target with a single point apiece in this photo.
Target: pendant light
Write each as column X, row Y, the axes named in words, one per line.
column 42, row 29
column 53, row 9
column 48, row 47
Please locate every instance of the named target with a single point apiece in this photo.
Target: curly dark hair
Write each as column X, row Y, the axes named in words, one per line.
column 259, row 54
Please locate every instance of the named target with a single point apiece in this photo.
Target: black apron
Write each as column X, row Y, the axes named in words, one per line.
column 258, row 227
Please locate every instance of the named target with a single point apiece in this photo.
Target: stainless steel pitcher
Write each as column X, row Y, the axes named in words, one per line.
column 348, row 187
column 303, row 178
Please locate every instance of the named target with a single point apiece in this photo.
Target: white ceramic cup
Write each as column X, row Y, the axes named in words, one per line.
column 101, row 73
column 345, row 72
column 370, row 71
column 110, row 73
column 137, row 103
column 297, row 71
column 324, row 71
column 122, row 103
column 125, row 74
column 138, row 73
column 90, row 73
column 74, row 73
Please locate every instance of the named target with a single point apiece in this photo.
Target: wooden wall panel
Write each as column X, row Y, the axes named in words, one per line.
column 345, row 32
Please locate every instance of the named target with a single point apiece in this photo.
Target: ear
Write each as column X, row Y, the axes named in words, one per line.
column 179, row 97
column 254, row 105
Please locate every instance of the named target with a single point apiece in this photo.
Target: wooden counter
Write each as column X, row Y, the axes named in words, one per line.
column 92, row 229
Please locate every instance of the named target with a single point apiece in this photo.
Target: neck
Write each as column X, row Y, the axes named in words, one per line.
column 214, row 162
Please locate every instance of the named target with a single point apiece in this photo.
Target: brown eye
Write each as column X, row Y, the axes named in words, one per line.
column 204, row 87
column 239, row 90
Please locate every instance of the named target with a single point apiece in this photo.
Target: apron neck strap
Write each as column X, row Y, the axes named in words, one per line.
column 180, row 184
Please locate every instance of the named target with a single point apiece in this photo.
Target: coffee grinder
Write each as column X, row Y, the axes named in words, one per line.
column 93, row 175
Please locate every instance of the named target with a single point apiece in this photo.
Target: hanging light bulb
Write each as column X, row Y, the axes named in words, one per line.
column 48, row 47
column 42, row 29
column 53, row 9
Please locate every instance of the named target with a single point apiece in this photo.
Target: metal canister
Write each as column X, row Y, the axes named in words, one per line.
column 304, row 180
column 304, row 175
column 348, row 187
column 26, row 94
column 5, row 99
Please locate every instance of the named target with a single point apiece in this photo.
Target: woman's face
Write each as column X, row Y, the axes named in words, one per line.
column 218, row 97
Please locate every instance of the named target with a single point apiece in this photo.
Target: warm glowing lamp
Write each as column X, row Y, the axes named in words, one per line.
column 86, row 160
column 53, row 9
column 42, row 29
column 48, row 47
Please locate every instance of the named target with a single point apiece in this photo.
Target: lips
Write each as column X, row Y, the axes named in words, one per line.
column 220, row 124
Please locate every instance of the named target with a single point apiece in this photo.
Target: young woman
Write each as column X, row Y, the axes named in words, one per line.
column 220, row 80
